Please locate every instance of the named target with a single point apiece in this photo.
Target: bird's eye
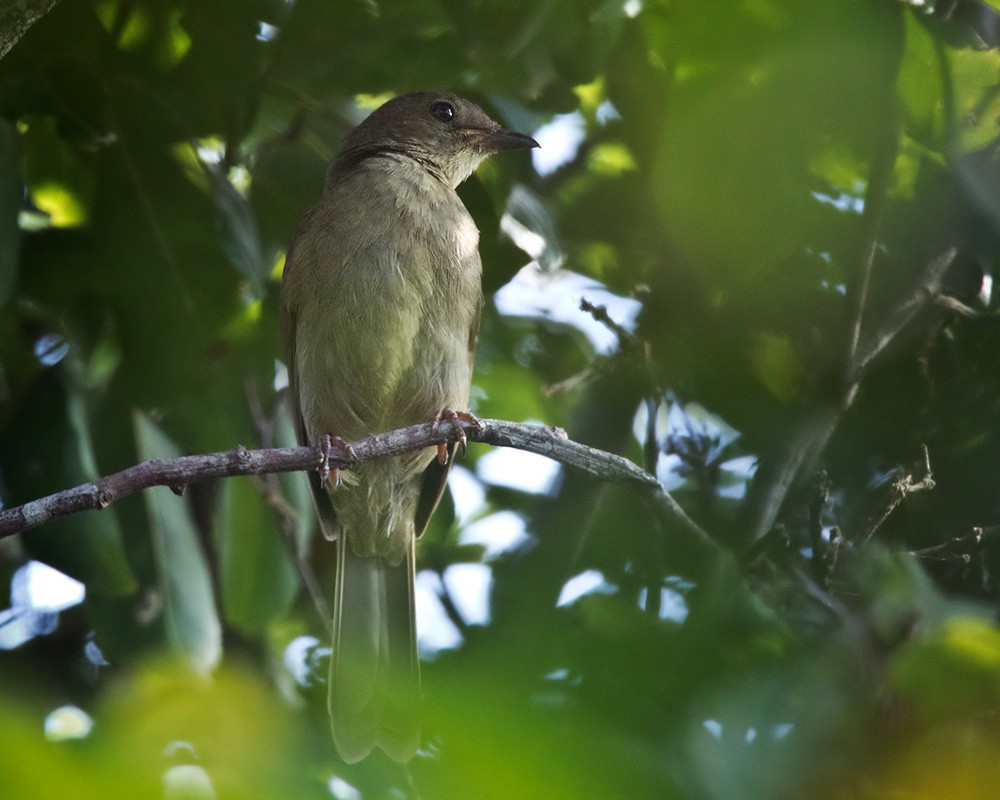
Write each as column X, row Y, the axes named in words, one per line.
column 442, row 111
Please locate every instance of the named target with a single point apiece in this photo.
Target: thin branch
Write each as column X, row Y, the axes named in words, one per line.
column 957, row 306
column 875, row 201
column 952, row 549
column 901, row 489
column 178, row 473
column 627, row 343
column 450, row 609
column 821, row 495
column 601, row 315
column 922, row 293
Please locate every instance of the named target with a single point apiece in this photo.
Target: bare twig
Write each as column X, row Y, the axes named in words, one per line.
column 651, row 446
column 954, row 304
column 627, row 342
column 178, row 473
column 875, row 200
column 952, row 550
column 821, row 495
column 901, row 489
column 600, row 314
column 922, row 293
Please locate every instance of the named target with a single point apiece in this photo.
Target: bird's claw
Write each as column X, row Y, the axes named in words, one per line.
column 453, row 417
column 327, row 474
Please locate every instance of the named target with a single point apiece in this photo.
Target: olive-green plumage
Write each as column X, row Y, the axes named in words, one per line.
column 380, row 304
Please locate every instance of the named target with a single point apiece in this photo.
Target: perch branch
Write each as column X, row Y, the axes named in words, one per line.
column 178, row 473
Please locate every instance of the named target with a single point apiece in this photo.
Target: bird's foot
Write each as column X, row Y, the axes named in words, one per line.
column 326, row 444
column 454, row 417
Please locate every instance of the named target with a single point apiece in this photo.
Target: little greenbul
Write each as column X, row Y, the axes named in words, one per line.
column 380, row 305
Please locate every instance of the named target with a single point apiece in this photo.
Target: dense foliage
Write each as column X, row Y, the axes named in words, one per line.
column 764, row 195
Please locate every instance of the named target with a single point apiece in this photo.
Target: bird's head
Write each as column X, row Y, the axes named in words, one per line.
column 451, row 136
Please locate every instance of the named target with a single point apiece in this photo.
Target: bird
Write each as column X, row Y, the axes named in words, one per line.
column 379, row 308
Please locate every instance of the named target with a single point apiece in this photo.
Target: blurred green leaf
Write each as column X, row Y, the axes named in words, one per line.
column 231, row 725
column 60, row 181
column 192, row 623
column 255, row 569
column 921, row 83
column 35, row 768
column 777, row 365
column 295, row 485
column 103, row 533
column 51, row 447
column 160, row 721
column 509, row 391
column 237, row 229
column 975, row 74
column 953, row 669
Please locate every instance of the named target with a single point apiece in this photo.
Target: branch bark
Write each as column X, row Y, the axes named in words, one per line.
column 178, row 473
column 16, row 16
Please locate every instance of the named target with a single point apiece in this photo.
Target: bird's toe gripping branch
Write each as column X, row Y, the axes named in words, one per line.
column 453, row 417
column 326, row 444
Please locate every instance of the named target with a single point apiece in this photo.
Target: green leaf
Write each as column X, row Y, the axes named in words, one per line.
column 258, row 579
column 49, row 447
column 236, row 226
column 191, row 620
column 507, row 391
column 105, row 557
column 976, row 78
column 952, row 669
column 59, row 174
column 295, row 485
column 777, row 365
column 920, row 85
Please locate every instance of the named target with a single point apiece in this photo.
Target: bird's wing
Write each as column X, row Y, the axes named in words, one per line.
column 287, row 322
column 435, row 477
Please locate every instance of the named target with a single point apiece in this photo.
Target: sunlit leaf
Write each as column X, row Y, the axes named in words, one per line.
column 952, row 669
column 59, row 180
column 611, row 158
column 921, row 83
column 975, row 75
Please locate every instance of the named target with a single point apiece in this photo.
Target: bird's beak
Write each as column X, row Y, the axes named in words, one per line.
column 503, row 139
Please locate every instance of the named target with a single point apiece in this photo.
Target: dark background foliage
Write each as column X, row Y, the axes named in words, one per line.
column 767, row 182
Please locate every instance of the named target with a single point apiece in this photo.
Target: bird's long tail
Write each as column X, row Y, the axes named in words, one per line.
column 374, row 696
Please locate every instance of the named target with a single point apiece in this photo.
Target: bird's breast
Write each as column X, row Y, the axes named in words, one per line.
column 384, row 331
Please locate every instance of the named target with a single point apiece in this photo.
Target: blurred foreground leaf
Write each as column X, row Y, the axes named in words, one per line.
column 255, row 568
column 185, row 581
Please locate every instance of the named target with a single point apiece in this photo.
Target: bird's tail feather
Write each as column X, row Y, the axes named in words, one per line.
column 374, row 696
